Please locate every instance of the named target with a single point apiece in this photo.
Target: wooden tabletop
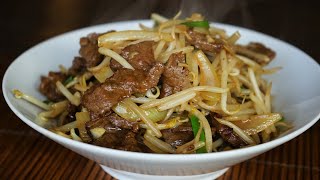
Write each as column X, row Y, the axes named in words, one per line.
column 24, row 153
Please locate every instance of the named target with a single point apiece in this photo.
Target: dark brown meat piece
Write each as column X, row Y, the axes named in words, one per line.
column 122, row 123
column 48, row 86
column 89, row 50
column 140, row 56
column 112, row 123
column 227, row 133
column 100, row 98
column 103, row 122
column 140, row 81
column 265, row 55
column 179, row 135
column 130, row 143
column 90, row 56
column 174, row 78
column 118, row 134
column 262, row 49
column 78, row 66
column 200, row 41
column 122, row 140
column 110, row 140
column 71, row 116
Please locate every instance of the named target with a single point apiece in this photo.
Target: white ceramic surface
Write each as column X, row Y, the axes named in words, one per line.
column 296, row 91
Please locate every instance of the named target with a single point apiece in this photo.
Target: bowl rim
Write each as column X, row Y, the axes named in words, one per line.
column 152, row 156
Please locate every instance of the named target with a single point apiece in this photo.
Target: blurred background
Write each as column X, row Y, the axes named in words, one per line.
column 26, row 23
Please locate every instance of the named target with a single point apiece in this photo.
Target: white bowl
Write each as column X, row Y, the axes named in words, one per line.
column 296, row 94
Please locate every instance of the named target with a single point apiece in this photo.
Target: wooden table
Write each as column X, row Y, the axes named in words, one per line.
column 24, row 153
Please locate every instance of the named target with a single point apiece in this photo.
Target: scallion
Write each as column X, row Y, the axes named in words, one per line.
column 47, row 101
column 195, row 128
column 68, row 80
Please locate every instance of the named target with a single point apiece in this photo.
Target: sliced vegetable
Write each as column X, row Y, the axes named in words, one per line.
column 97, row 132
column 141, row 114
column 193, row 67
column 73, row 98
column 104, row 73
column 81, row 119
column 115, row 56
column 131, row 35
column 257, row 123
column 18, row 94
column 195, row 128
column 55, row 110
column 163, row 146
column 208, row 76
column 158, row 18
column 122, row 110
column 67, row 127
column 152, row 113
column 74, row 135
column 172, row 123
column 204, row 24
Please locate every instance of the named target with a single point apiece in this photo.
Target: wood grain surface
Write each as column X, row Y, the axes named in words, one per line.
column 26, row 154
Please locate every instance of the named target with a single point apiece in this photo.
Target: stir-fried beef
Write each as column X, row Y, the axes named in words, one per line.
column 110, row 140
column 90, row 56
column 103, row 122
column 262, row 49
column 201, row 41
column 130, row 143
column 78, row 66
column 100, row 98
column 118, row 133
column 140, row 56
column 257, row 52
column 123, row 123
column 227, row 133
column 229, row 136
column 112, row 123
column 48, row 86
column 89, row 50
column 123, row 140
column 175, row 77
column 179, row 135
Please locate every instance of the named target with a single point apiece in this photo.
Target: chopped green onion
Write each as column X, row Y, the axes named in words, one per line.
column 68, row 80
column 204, row 24
column 282, row 119
column 47, row 101
column 195, row 128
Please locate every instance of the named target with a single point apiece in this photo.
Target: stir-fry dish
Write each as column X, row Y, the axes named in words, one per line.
column 182, row 86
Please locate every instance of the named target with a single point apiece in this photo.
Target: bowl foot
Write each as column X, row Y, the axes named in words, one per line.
column 124, row 175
